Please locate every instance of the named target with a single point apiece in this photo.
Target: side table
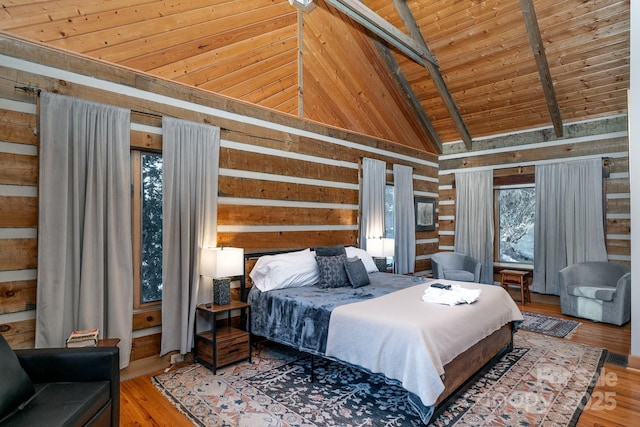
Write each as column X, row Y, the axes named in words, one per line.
column 517, row 278
column 220, row 346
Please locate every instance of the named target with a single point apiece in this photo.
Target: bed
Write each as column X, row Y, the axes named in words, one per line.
column 432, row 350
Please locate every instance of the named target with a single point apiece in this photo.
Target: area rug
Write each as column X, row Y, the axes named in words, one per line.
column 543, row 381
column 549, row 325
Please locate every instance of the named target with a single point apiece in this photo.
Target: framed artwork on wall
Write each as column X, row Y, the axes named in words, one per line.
column 425, row 214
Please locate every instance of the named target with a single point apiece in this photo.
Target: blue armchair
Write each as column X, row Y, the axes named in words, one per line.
column 455, row 266
column 599, row 291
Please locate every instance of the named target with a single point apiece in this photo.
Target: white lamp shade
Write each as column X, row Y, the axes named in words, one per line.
column 382, row 248
column 221, row 262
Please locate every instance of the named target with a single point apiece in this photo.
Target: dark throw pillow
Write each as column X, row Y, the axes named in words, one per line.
column 332, row 271
column 330, row 250
column 15, row 387
column 356, row 272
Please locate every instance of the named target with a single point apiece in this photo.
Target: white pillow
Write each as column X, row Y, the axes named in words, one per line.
column 288, row 270
column 368, row 262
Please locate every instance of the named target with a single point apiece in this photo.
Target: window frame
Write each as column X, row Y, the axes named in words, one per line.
column 496, row 223
column 388, row 185
column 136, row 228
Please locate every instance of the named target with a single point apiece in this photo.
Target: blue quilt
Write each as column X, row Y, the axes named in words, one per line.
column 299, row 317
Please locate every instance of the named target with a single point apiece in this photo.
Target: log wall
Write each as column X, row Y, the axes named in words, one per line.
column 517, row 154
column 283, row 182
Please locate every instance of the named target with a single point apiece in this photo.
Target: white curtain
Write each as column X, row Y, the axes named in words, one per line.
column 373, row 187
column 404, row 227
column 474, row 219
column 85, row 269
column 569, row 220
column 190, row 189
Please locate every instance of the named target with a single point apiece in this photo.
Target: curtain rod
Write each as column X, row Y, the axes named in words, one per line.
column 36, row 91
column 159, row 116
column 28, row 89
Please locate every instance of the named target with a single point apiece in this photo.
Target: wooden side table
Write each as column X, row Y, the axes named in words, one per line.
column 221, row 346
column 517, row 278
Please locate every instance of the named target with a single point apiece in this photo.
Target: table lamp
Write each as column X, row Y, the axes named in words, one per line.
column 221, row 264
column 380, row 249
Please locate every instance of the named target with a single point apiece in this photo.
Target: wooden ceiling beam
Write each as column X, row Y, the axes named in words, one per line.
column 434, row 71
column 415, row 47
column 379, row 26
column 405, row 87
column 535, row 38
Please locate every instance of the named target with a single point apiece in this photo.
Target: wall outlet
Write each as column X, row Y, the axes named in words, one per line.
column 177, row 358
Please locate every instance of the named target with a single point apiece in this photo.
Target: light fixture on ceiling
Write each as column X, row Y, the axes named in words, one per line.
column 304, row 5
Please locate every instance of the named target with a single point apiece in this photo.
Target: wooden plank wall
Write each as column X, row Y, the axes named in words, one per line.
column 284, row 182
column 518, row 153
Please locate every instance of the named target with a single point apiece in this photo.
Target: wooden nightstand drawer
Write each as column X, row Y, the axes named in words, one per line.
column 232, row 346
column 229, row 344
column 233, row 349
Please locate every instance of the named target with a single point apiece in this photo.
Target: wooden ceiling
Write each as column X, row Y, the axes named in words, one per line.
column 323, row 66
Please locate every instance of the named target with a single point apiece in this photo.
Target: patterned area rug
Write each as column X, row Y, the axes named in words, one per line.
column 548, row 325
column 544, row 381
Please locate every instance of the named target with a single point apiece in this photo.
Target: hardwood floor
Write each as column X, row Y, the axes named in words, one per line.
column 615, row 399
column 141, row 404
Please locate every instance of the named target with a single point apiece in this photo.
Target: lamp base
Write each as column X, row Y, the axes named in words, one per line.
column 221, row 291
column 381, row 263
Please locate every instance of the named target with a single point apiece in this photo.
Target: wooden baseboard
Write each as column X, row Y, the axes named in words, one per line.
column 151, row 365
column 634, row 362
column 535, row 297
column 144, row 366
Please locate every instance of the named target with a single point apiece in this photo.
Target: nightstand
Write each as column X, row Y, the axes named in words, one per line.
column 223, row 345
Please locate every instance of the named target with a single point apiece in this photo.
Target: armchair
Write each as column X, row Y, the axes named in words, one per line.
column 455, row 266
column 59, row 386
column 599, row 291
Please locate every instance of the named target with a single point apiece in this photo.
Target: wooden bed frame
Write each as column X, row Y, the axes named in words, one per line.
column 465, row 369
column 460, row 373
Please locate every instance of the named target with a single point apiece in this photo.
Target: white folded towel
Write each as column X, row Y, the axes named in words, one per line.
column 453, row 296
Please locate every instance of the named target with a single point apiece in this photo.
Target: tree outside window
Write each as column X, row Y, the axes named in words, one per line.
column 516, row 208
column 151, row 269
column 147, row 227
column 389, row 212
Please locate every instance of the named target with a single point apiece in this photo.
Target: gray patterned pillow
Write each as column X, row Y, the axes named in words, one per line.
column 330, row 250
column 332, row 271
column 356, row 272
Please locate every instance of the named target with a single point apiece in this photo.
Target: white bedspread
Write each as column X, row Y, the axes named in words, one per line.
column 410, row 340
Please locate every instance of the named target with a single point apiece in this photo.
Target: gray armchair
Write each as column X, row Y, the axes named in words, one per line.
column 455, row 266
column 599, row 291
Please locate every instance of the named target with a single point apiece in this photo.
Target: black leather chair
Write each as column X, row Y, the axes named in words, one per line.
column 59, row 386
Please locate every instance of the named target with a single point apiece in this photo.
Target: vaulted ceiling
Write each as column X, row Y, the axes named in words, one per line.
column 326, row 67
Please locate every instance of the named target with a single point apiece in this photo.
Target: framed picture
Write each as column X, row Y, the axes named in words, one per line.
column 425, row 214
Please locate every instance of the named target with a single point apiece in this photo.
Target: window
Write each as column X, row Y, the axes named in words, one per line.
column 515, row 216
column 389, row 211
column 389, row 217
column 147, row 227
